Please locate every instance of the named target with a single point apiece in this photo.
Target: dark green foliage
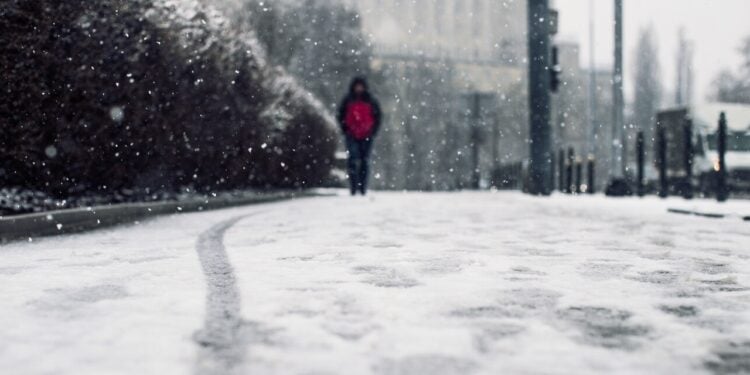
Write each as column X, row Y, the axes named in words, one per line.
column 129, row 94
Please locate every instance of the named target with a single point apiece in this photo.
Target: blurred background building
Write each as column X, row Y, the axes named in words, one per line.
column 432, row 57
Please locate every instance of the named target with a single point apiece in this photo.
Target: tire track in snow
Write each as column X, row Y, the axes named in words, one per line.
column 221, row 349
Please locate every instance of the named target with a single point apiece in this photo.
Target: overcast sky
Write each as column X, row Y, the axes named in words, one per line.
column 715, row 26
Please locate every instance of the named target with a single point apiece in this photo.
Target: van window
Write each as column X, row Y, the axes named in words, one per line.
column 736, row 141
column 739, row 141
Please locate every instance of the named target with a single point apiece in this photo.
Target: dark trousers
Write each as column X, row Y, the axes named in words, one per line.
column 358, row 163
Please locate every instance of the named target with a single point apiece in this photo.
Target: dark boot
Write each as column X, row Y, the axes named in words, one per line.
column 364, row 173
column 353, row 175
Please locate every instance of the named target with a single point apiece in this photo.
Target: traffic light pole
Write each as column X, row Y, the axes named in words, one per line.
column 540, row 132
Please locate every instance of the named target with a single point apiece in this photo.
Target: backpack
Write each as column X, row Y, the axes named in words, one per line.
column 359, row 119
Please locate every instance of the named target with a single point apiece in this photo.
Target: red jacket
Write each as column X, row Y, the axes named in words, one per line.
column 360, row 117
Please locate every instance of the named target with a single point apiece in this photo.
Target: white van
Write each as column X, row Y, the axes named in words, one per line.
column 706, row 162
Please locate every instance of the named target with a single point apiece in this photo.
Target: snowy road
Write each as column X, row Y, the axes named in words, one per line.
column 403, row 284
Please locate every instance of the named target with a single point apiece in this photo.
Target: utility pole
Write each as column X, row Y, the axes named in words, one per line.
column 540, row 132
column 619, row 153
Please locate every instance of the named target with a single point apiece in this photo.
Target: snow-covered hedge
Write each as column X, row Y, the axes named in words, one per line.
column 151, row 95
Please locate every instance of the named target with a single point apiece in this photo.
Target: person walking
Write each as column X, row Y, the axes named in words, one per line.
column 360, row 118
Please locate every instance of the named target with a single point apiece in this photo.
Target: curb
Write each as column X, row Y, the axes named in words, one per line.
column 705, row 214
column 53, row 223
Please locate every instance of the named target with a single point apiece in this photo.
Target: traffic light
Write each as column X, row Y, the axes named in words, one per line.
column 555, row 71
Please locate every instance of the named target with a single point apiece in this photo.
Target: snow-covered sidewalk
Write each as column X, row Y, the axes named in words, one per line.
column 469, row 283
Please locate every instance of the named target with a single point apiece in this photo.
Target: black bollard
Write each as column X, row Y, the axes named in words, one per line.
column 553, row 166
column 569, row 172
column 641, row 151
column 662, row 157
column 687, row 186
column 591, row 174
column 561, row 167
column 579, row 176
column 722, row 193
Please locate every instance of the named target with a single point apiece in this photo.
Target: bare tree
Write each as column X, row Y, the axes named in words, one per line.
column 735, row 87
column 648, row 89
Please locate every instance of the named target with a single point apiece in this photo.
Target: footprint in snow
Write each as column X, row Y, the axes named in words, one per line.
column 385, row 277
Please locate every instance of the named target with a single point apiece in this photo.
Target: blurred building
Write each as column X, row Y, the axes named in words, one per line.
column 572, row 127
column 484, row 38
column 432, row 54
